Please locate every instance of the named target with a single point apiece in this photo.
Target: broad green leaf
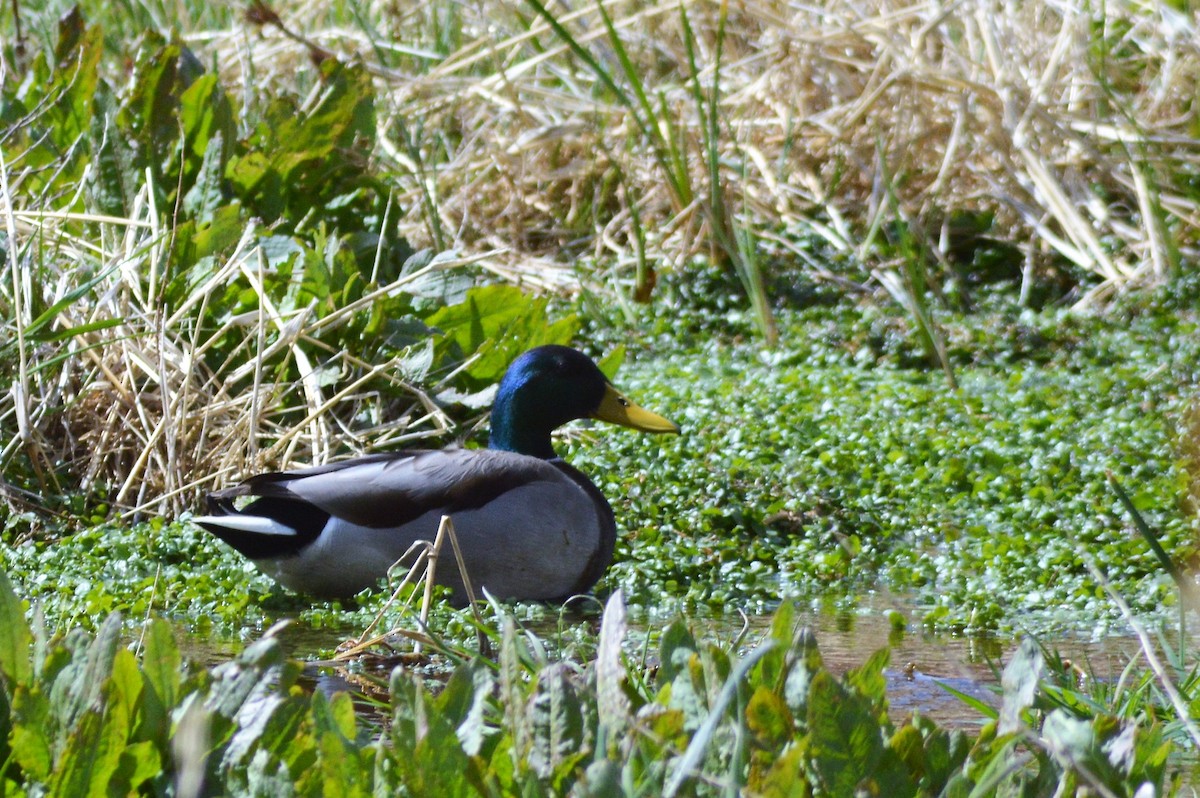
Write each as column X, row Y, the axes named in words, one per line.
column 785, row 778
column 768, row 718
column 90, row 666
column 196, row 244
column 870, row 682
column 114, row 177
column 161, row 662
column 909, row 745
column 93, row 750
column 151, row 110
column 845, row 736
column 15, row 638
column 675, row 648
column 33, row 728
column 209, row 130
column 342, row 770
column 296, row 161
column 123, row 693
column 341, row 712
column 6, row 726
column 773, row 667
column 235, row 681
column 610, row 364
column 689, row 764
column 138, row 764
column 464, row 701
column 496, row 323
column 512, row 692
column 805, row 663
column 556, row 715
column 206, row 196
column 71, row 28
column 75, row 82
column 890, row 777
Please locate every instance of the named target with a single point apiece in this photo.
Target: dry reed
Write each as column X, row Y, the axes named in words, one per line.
column 1074, row 126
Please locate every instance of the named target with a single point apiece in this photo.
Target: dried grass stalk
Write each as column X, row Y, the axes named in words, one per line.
column 1049, row 115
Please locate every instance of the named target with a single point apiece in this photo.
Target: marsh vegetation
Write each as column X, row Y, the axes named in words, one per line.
column 918, row 282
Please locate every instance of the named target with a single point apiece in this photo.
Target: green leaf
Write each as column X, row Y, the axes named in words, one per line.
column 556, row 716
column 768, row 718
column 15, row 637
column 297, row 161
column 123, row 693
column 845, row 736
column 76, row 81
column 92, row 754
column 497, row 323
column 194, row 246
column 982, row 707
column 610, row 364
column 785, row 777
column 689, row 764
column 344, row 773
column 114, row 176
column 675, row 648
column 32, row 731
column 209, row 131
column 161, row 661
column 805, row 663
column 869, row 681
column 151, row 111
column 612, row 704
column 465, row 702
column 772, row 669
column 79, row 684
column 41, row 328
column 205, row 196
column 138, row 764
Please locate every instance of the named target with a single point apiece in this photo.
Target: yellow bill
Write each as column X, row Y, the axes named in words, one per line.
column 615, row 408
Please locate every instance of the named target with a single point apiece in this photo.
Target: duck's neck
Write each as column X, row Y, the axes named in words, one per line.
column 514, row 428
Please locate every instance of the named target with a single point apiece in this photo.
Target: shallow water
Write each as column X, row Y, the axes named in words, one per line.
column 921, row 662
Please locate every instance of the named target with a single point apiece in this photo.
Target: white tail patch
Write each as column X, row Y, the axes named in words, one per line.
column 257, row 524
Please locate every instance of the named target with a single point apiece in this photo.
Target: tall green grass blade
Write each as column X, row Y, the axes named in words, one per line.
column 583, row 55
column 912, row 294
column 1151, row 539
column 732, row 237
column 646, row 118
column 982, row 707
column 1188, row 592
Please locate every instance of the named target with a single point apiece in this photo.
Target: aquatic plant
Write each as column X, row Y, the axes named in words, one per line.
column 86, row 714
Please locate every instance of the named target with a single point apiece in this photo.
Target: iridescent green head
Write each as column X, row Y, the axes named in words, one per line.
column 548, row 386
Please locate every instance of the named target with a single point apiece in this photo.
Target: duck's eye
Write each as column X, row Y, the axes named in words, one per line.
column 624, row 402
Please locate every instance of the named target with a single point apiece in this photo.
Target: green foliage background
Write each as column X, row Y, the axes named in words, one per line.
column 168, row 236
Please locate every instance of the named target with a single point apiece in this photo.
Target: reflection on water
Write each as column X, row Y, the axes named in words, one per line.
column 920, row 662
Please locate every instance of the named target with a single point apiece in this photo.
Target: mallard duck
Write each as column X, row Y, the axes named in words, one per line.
column 529, row 525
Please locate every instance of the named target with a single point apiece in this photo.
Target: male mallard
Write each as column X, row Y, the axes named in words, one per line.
column 529, row 525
